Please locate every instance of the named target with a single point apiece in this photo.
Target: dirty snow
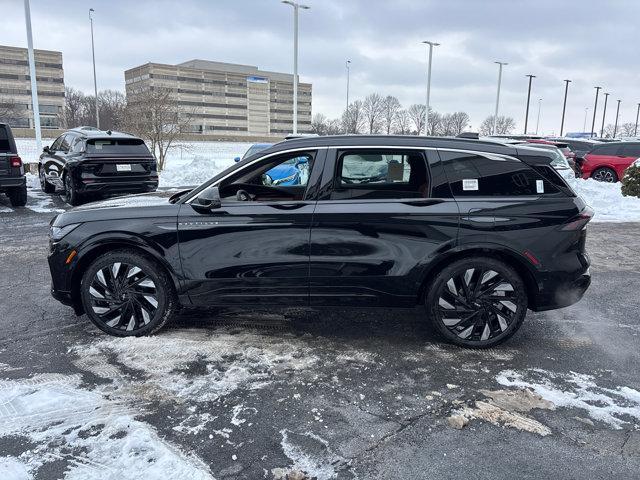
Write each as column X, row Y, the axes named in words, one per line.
column 97, row 433
column 614, row 406
column 607, row 201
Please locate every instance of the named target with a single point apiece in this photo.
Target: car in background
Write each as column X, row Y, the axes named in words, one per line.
column 608, row 161
column 86, row 160
column 579, row 146
column 292, row 172
column 564, row 166
column 12, row 179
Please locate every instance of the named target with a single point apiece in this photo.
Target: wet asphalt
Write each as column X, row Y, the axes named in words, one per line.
column 353, row 393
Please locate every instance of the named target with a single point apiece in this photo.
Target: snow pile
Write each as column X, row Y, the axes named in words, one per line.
column 607, row 201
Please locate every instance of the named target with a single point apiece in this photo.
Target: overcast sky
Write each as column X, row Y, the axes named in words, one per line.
column 591, row 42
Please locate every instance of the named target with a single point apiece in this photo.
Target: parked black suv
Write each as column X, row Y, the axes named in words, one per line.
column 12, row 179
column 475, row 231
column 86, row 160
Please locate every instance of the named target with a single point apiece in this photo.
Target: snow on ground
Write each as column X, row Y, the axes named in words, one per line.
column 191, row 163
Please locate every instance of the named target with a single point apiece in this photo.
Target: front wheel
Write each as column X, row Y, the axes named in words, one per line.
column 44, row 185
column 477, row 302
column 125, row 293
column 604, row 174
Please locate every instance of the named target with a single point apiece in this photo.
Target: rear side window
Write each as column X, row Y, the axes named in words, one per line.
column 472, row 174
column 631, row 150
column 610, row 149
column 383, row 174
column 5, row 141
column 117, row 145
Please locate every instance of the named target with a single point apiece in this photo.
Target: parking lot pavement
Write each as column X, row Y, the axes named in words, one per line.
column 368, row 394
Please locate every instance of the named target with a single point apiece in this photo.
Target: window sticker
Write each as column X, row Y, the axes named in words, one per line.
column 470, row 184
column 539, row 186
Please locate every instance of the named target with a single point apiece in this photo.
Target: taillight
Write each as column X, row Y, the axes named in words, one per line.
column 15, row 161
column 579, row 221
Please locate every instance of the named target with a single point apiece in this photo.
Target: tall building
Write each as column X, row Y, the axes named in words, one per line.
column 15, row 87
column 225, row 98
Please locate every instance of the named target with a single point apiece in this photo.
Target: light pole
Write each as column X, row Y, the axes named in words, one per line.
column 495, row 117
column 538, row 121
column 595, row 107
column 526, row 114
column 584, row 125
column 93, row 55
column 346, row 123
column 32, row 73
column 564, row 105
column 615, row 127
column 296, row 6
column 604, row 113
column 431, row 45
column 635, row 132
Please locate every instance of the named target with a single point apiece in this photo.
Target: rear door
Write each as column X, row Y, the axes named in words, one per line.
column 380, row 218
column 628, row 154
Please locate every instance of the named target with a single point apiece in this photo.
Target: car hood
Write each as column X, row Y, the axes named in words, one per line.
column 142, row 205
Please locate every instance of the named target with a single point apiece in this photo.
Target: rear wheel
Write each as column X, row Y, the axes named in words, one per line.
column 604, row 174
column 126, row 294
column 18, row 196
column 477, row 302
column 71, row 195
column 44, row 185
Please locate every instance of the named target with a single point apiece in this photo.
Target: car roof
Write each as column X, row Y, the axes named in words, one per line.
column 92, row 132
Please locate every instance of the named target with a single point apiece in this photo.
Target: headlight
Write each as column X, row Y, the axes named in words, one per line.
column 280, row 181
column 58, row 233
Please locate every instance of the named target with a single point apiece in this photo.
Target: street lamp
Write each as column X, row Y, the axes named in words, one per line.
column 93, row 55
column 635, row 132
column 595, row 107
column 584, row 125
column 296, row 6
column 526, row 115
column 495, row 117
column 538, row 121
column 346, row 123
column 32, row 73
column 431, row 45
column 604, row 112
column 615, row 127
column 564, row 105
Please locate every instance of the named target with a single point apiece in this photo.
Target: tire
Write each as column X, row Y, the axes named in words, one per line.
column 71, row 195
column 44, row 185
column 604, row 174
column 18, row 196
column 476, row 317
column 125, row 293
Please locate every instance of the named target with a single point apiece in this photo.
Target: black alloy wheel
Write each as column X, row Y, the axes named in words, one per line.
column 44, row 185
column 125, row 294
column 477, row 302
column 604, row 174
column 71, row 195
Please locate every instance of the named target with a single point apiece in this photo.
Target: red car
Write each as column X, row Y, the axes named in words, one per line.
column 607, row 162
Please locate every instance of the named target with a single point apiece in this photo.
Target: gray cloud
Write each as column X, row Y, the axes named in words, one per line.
column 588, row 41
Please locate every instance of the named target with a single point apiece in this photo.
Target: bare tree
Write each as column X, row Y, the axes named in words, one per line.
column 608, row 131
column 75, row 108
column 390, row 108
column 454, row 123
column 402, row 122
column 504, row 126
column 352, row 118
column 435, row 124
column 373, row 109
column 627, row 129
column 319, row 124
column 417, row 116
column 334, row 127
column 156, row 116
column 10, row 111
column 112, row 105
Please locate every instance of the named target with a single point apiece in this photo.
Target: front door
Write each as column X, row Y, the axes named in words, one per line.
column 383, row 217
column 255, row 248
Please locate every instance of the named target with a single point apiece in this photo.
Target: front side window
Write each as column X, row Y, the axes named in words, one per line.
column 55, row 146
column 472, row 174
column 383, row 174
column 66, row 142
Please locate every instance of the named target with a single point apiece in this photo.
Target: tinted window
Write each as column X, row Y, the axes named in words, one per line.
column 611, row 149
column 55, row 146
column 5, row 144
column 66, row 142
column 384, row 174
column 631, row 150
column 476, row 175
column 117, row 145
column 255, row 149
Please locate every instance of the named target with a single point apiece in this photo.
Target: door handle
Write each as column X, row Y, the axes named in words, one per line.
column 423, row 203
column 288, row 206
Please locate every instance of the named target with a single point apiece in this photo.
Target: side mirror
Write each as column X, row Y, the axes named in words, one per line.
column 208, row 199
column 237, row 159
column 46, row 149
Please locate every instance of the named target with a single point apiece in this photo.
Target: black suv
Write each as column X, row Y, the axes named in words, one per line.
column 86, row 160
column 476, row 232
column 12, row 179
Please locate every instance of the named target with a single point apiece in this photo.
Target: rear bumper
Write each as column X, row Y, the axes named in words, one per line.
column 117, row 184
column 11, row 182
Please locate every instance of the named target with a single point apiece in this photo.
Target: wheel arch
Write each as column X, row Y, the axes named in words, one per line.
column 511, row 258
column 90, row 252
